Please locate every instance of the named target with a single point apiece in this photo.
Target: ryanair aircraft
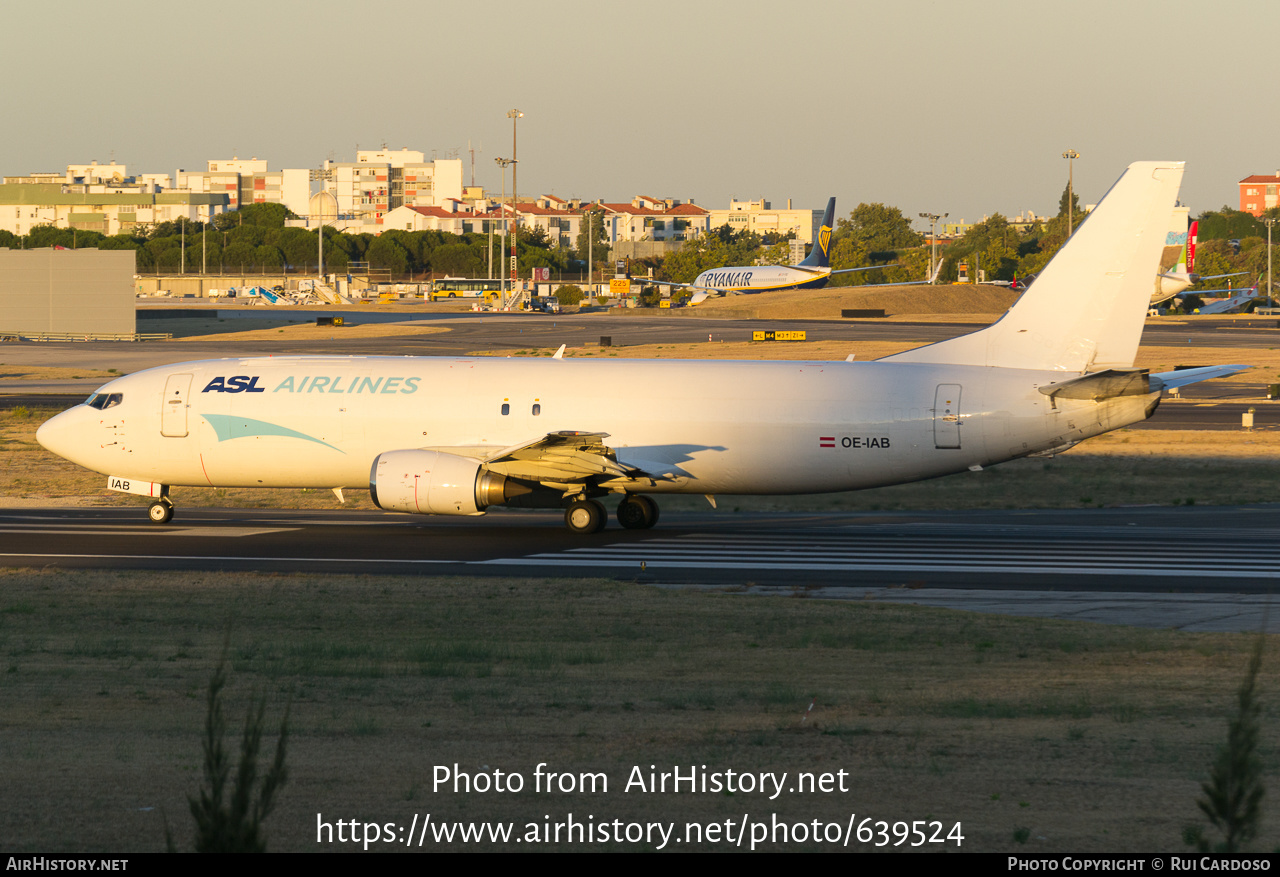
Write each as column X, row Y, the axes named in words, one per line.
column 458, row 435
column 813, row 273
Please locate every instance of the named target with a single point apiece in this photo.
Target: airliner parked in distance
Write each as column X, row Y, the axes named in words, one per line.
column 813, row 273
column 455, row 436
column 1183, row 276
column 1237, row 299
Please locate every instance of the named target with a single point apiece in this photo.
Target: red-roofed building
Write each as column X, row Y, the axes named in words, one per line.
column 1259, row 192
column 555, row 217
column 454, row 218
column 653, row 219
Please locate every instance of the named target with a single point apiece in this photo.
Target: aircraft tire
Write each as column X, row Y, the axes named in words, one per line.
column 160, row 512
column 637, row 512
column 585, row 516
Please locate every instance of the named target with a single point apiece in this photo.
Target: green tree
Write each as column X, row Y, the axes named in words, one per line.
column 298, row 246
column 115, row 242
column 268, row 258
column 591, row 228
column 873, row 234
column 878, row 228
column 569, row 295
column 386, row 252
column 48, row 236
column 992, row 246
column 456, row 260
column 1069, row 191
column 239, row 256
column 777, row 253
column 714, row 249
column 253, row 235
column 1230, row 224
column 267, row 215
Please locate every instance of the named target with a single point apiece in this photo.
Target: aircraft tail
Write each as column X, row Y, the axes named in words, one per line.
column 819, row 256
column 1192, row 234
column 1086, row 310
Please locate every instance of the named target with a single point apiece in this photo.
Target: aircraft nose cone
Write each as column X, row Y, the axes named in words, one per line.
column 57, row 433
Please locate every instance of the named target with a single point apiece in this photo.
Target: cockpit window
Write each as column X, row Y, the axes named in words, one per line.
column 103, row 401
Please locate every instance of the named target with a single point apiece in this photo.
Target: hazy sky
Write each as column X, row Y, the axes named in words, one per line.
column 962, row 107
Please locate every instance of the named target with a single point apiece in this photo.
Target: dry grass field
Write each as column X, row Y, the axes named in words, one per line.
column 1036, row 736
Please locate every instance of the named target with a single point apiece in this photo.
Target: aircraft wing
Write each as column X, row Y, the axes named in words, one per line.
column 868, row 268
column 712, row 290
column 1237, row 290
column 564, row 458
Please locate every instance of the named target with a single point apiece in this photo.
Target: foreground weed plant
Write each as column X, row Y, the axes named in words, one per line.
column 234, row 825
column 1234, row 790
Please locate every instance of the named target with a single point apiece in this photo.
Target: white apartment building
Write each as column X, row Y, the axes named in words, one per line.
column 99, row 198
column 248, row 181
column 381, row 180
column 760, row 217
column 453, row 218
column 653, row 219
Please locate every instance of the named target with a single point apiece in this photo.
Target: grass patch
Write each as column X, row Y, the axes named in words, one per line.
column 388, row 677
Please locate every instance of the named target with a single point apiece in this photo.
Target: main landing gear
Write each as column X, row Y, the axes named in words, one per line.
column 161, row 511
column 587, row 516
column 637, row 512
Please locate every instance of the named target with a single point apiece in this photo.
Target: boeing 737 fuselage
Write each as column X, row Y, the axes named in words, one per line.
column 458, row 435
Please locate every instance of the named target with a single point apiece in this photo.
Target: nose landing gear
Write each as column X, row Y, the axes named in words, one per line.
column 161, row 511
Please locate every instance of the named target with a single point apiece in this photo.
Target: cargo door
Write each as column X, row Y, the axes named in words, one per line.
column 173, row 408
column 946, row 416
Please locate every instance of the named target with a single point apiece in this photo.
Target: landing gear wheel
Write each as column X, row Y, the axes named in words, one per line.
column 160, row 512
column 585, row 516
column 637, row 513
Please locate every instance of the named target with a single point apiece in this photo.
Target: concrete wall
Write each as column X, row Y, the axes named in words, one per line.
column 644, row 249
column 198, row 285
column 66, row 291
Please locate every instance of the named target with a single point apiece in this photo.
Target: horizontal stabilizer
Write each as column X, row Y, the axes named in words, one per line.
column 1184, row 376
column 1101, row 385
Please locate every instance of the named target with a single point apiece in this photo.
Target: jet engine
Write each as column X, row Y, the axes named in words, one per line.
column 436, row 483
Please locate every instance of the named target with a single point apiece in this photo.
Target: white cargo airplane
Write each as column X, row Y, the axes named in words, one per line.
column 454, row 436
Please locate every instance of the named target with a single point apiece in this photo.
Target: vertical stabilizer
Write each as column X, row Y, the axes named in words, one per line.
column 819, row 256
column 1086, row 310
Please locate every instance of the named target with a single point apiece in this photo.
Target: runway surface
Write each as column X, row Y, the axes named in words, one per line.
column 1160, row 567
column 1190, row 568
column 472, row 332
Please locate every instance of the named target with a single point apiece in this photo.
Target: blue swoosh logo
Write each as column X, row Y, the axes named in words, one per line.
column 227, row 428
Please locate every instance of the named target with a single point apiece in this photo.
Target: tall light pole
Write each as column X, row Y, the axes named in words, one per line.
column 1270, row 222
column 504, row 163
column 514, row 116
column 933, row 240
column 1070, row 155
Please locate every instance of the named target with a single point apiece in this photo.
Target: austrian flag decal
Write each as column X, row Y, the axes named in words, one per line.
column 826, row 441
